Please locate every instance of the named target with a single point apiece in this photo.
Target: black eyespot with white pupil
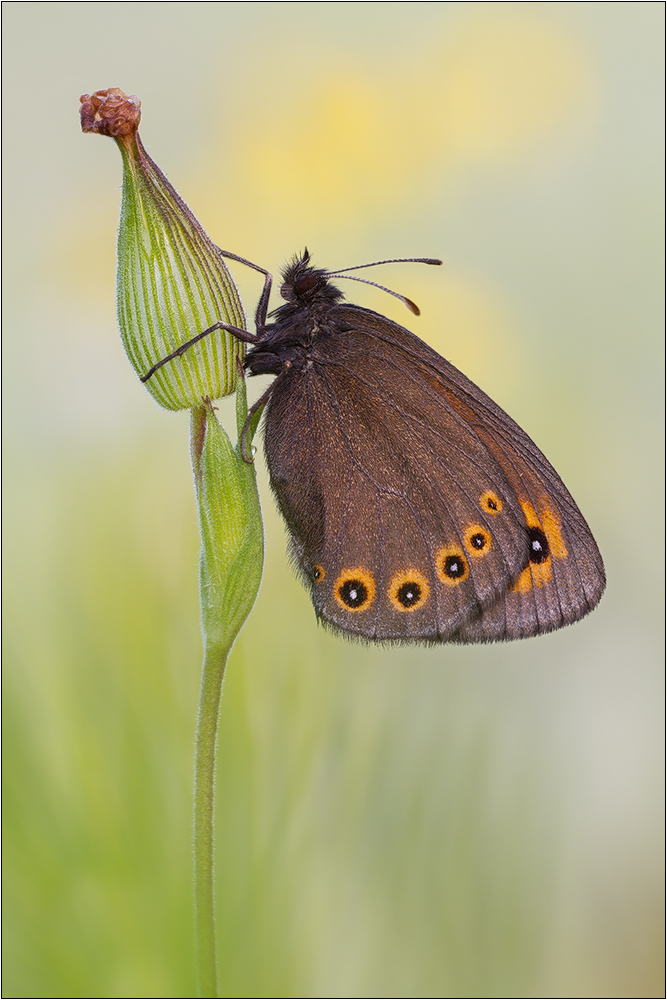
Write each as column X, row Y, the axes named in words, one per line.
column 478, row 540
column 454, row 567
column 354, row 593
column 409, row 594
column 539, row 546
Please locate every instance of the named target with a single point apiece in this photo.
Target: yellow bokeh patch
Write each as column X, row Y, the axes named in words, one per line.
column 367, row 133
column 510, row 81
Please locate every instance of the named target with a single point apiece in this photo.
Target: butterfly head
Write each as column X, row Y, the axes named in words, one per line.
column 307, row 286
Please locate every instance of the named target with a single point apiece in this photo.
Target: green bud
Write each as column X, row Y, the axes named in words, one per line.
column 172, row 282
column 231, row 527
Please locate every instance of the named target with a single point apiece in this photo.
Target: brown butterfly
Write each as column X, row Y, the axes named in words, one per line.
column 418, row 510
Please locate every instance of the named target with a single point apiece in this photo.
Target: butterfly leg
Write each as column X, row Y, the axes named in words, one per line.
column 244, row 335
column 254, row 409
column 263, row 304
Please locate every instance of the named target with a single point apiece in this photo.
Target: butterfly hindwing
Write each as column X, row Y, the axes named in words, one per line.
column 402, row 522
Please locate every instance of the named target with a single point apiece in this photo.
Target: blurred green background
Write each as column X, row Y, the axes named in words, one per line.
column 449, row 822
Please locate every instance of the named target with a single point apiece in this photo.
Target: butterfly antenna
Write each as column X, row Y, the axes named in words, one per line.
column 394, row 260
column 408, row 302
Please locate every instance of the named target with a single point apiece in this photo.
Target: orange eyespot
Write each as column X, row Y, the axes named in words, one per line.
column 544, row 542
column 490, row 502
column 451, row 565
column 408, row 590
column 477, row 540
column 547, row 524
column 318, row 573
column 355, row 589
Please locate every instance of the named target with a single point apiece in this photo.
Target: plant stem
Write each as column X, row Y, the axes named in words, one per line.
column 215, row 661
column 230, row 569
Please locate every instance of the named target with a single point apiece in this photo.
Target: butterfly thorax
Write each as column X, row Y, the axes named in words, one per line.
column 288, row 344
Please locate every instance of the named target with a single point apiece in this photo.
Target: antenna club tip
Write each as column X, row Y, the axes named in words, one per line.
column 412, row 306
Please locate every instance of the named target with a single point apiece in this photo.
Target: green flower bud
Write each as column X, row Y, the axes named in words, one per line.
column 231, row 527
column 172, row 282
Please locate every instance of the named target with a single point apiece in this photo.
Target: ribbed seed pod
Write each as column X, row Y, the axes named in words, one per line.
column 172, row 281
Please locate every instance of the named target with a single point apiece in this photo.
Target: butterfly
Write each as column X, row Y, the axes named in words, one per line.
column 418, row 510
